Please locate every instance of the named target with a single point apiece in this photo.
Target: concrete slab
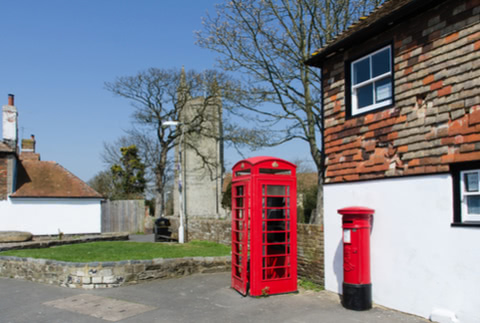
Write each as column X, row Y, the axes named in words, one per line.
column 105, row 308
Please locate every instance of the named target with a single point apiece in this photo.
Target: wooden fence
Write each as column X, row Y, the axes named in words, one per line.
column 123, row 216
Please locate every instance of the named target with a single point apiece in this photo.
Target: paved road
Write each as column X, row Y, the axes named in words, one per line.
column 198, row 298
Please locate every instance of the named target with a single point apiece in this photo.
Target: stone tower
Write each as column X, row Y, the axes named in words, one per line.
column 202, row 159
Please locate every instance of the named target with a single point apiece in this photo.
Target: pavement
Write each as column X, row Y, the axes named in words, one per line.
column 197, row 298
column 142, row 237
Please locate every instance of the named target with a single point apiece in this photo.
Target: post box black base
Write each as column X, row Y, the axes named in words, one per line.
column 357, row 297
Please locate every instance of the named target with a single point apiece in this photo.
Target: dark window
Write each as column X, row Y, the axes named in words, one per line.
column 371, row 81
column 466, row 190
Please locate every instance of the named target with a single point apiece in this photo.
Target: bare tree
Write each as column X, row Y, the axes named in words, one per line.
column 159, row 95
column 267, row 42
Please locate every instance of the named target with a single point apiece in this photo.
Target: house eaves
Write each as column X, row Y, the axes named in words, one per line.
column 380, row 19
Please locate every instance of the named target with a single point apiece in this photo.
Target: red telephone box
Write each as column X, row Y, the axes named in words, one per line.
column 357, row 287
column 264, row 226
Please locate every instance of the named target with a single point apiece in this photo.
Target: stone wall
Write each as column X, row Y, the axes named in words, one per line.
column 107, row 274
column 310, row 252
column 219, row 231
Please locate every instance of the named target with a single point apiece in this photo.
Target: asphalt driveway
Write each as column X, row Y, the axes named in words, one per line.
column 198, row 298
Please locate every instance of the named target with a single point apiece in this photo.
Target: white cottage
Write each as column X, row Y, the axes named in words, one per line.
column 41, row 197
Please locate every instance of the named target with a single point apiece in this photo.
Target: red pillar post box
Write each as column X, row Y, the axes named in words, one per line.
column 264, row 226
column 357, row 286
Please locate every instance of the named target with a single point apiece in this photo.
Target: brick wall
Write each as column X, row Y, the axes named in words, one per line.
column 3, row 177
column 435, row 120
column 310, row 252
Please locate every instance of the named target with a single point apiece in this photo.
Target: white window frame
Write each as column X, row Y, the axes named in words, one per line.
column 353, row 87
column 463, row 196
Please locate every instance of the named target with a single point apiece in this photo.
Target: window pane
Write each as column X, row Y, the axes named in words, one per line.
column 239, row 201
column 276, row 226
column 381, row 62
column 275, row 190
column 276, row 249
column 471, row 182
column 276, row 214
column 275, row 201
column 361, row 71
column 365, row 96
column 473, row 204
column 239, row 190
column 383, row 90
column 276, row 237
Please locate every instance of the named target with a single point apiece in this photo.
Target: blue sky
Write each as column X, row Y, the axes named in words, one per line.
column 57, row 55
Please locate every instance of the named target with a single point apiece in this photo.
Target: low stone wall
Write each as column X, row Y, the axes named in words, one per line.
column 310, row 252
column 107, row 274
column 219, row 231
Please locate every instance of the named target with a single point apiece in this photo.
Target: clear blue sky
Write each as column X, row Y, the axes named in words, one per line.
column 56, row 56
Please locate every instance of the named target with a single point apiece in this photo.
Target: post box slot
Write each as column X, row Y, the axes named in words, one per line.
column 347, row 221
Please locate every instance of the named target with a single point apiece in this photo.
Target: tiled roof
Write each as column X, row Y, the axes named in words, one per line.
column 389, row 13
column 49, row 179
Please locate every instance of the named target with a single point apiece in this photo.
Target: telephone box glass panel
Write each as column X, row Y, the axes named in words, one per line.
column 276, row 232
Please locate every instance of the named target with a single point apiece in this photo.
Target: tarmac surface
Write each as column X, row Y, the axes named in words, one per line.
column 197, row 298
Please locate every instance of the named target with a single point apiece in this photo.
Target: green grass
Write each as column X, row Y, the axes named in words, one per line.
column 309, row 285
column 122, row 250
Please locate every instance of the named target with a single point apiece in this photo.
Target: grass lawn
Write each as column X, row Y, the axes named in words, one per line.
column 122, row 250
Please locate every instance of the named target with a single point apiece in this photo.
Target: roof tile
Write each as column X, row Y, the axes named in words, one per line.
column 49, row 179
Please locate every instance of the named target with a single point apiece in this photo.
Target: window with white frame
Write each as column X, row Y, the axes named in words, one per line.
column 371, row 81
column 470, row 195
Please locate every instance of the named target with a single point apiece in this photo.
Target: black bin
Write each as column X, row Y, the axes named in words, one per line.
column 161, row 230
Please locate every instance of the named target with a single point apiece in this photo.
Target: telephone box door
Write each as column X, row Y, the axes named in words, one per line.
column 274, row 231
column 240, row 245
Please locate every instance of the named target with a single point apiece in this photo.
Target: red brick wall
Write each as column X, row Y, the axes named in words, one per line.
column 3, row 177
column 435, row 120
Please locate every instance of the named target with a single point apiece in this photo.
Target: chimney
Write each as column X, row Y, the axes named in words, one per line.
column 28, row 149
column 28, row 145
column 10, row 129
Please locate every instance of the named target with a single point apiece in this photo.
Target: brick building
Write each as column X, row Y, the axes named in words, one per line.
column 401, row 98
column 38, row 196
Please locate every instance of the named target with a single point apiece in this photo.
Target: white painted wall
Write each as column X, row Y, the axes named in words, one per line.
column 47, row 216
column 419, row 263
